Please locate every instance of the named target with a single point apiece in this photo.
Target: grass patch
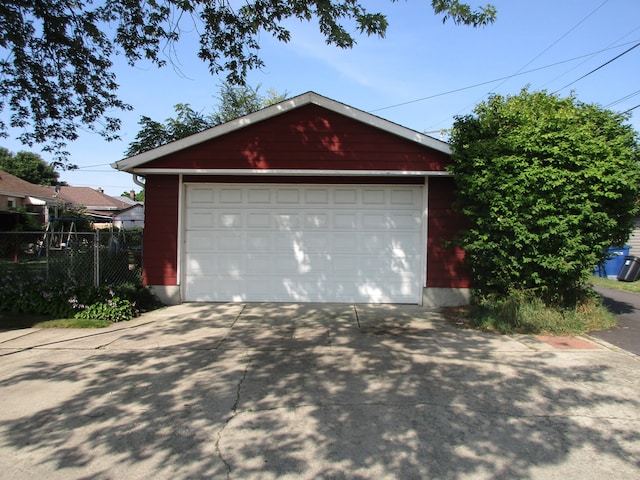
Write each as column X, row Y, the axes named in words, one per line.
column 529, row 315
column 10, row 320
column 633, row 287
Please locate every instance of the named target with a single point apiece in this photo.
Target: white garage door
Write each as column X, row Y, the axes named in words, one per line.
column 281, row 243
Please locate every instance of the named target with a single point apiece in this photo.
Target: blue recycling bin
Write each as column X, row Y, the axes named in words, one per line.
column 614, row 262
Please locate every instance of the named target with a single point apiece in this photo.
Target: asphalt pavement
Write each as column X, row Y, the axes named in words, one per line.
column 626, row 307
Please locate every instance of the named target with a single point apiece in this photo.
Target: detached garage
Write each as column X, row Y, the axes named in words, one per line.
column 308, row 200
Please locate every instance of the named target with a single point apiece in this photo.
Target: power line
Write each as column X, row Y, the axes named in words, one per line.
column 93, row 166
column 626, row 97
column 587, row 59
column 559, row 39
column 538, row 55
column 598, row 68
column 632, row 108
column 494, row 80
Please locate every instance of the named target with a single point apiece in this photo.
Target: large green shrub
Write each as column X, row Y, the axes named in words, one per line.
column 548, row 185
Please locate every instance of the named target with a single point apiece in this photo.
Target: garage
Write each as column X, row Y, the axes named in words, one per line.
column 307, row 200
column 303, row 243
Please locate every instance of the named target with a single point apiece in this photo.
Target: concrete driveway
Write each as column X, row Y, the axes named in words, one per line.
column 262, row 391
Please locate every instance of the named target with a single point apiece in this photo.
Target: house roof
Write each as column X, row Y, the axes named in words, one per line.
column 14, row 186
column 89, row 198
column 309, row 98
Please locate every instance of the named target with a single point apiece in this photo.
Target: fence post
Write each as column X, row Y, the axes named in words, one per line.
column 96, row 258
column 46, row 241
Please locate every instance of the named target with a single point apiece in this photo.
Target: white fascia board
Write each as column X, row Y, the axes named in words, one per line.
column 297, row 173
column 129, row 164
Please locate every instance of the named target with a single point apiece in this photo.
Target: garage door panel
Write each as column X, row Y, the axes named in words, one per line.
column 287, row 196
column 230, row 241
column 234, row 265
column 200, row 195
column 287, row 220
column 204, row 264
column 200, row 219
column 258, row 264
column 315, row 196
column 343, row 265
column 230, row 220
column 258, row 220
column 345, row 221
column 345, row 196
column 317, row 220
column 373, row 196
column 307, row 243
column 403, row 197
column 259, row 196
column 259, row 241
column 404, row 221
column 232, row 195
column 316, row 241
column 200, row 242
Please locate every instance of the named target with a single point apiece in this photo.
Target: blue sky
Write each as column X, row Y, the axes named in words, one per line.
column 421, row 75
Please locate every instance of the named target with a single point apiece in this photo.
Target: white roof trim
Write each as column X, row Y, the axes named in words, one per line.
column 129, row 164
column 288, row 172
column 36, row 200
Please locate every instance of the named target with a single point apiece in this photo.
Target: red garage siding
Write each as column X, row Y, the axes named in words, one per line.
column 307, row 138
column 445, row 267
column 160, row 263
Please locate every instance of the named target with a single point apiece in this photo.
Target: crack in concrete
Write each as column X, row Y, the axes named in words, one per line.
column 355, row 310
column 224, row 339
column 234, row 413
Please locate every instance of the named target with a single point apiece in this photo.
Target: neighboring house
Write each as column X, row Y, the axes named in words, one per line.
column 132, row 217
column 308, row 200
column 104, row 210
column 634, row 240
column 17, row 194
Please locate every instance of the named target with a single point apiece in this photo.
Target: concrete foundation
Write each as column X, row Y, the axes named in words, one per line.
column 445, row 297
column 168, row 294
column 431, row 297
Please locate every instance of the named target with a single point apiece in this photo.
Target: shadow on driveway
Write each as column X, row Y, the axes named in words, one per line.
column 266, row 391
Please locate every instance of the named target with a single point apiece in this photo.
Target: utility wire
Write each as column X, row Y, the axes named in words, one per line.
column 559, row 39
column 491, row 81
column 537, row 56
column 598, row 68
column 626, row 97
column 587, row 59
column 632, row 108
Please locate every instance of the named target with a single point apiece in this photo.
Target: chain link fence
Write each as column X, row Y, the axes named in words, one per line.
column 83, row 258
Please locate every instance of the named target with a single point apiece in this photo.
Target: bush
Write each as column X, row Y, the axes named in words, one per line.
column 547, row 184
column 35, row 295
column 114, row 309
column 524, row 312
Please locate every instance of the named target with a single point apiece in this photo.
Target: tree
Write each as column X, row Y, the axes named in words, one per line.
column 235, row 101
column 28, row 166
column 56, row 56
column 138, row 197
column 548, row 184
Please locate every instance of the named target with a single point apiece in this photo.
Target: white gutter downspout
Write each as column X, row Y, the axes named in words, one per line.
column 137, row 181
